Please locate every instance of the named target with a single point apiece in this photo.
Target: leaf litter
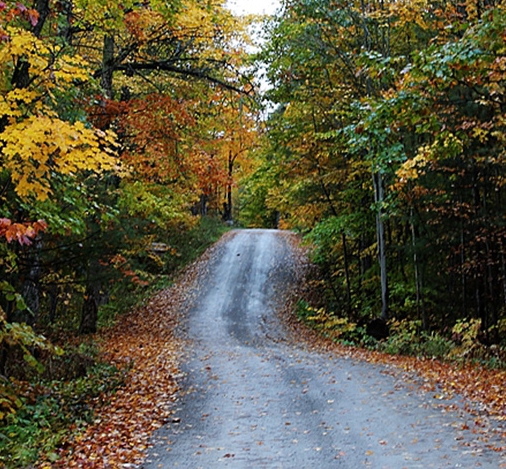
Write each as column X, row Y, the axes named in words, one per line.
column 482, row 389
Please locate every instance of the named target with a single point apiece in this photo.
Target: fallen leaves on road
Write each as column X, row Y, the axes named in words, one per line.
column 145, row 341
column 482, row 388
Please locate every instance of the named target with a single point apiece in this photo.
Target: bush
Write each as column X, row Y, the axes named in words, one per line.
column 407, row 338
column 339, row 329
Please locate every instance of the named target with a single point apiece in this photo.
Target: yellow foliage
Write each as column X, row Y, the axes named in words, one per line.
column 471, row 9
column 51, row 66
column 198, row 15
column 333, row 326
column 35, row 146
column 35, row 141
column 481, row 134
column 69, row 69
column 106, row 14
column 410, row 169
column 140, row 23
column 410, row 11
column 203, row 21
column 23, row 43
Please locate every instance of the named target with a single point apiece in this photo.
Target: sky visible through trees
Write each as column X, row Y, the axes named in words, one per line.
column 258, row 7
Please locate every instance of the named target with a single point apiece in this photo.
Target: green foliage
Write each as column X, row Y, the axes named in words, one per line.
column 408, row 338
column 254, row 212
column 326, row 237
column 388, row 135
column 50, row 412
column 188, row 246
column 466, row 331
column 178, row 249
column 18, row 337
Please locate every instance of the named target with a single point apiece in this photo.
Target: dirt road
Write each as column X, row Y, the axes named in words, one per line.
column 256, row 399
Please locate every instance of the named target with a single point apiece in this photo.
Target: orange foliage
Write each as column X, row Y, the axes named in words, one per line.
column 23, row 233
column 7, row 15
column 156, row 129
column 140, row 23
column 108, row 113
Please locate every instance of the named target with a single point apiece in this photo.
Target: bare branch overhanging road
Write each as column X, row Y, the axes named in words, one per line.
column 257, row 400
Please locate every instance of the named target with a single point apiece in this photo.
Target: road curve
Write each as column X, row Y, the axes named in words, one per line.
column 255, row 399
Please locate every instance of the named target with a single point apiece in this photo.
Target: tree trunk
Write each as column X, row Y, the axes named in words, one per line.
column 380, row 232
column 42, row 7
column 418, row 279
column 227, row 212
column 89, row 313
column 21, row 75
column 203, row 205
column 346, row 273
column 53, row 303
column 31, row 287
column 463, row 280
column 107, row 67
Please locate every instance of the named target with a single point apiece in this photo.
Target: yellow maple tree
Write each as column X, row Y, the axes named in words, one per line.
column 34, row 140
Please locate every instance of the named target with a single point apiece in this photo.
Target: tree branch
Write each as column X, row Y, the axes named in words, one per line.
column 170, row 67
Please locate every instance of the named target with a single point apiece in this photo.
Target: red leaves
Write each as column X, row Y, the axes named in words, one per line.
column 157, row 129
column 19, row 11
column 23, row 233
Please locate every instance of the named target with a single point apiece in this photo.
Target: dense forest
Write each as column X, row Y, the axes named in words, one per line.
column 130, row 132
column 386, row 148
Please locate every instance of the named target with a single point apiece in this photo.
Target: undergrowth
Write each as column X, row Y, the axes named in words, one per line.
column 407, row 337
column 51, row 411
column 160, row 269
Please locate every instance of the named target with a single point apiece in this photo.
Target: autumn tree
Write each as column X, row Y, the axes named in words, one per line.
column 107, row 136
column 43, row 148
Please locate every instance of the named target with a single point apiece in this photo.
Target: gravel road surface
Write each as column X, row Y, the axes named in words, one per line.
column 257, row 399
